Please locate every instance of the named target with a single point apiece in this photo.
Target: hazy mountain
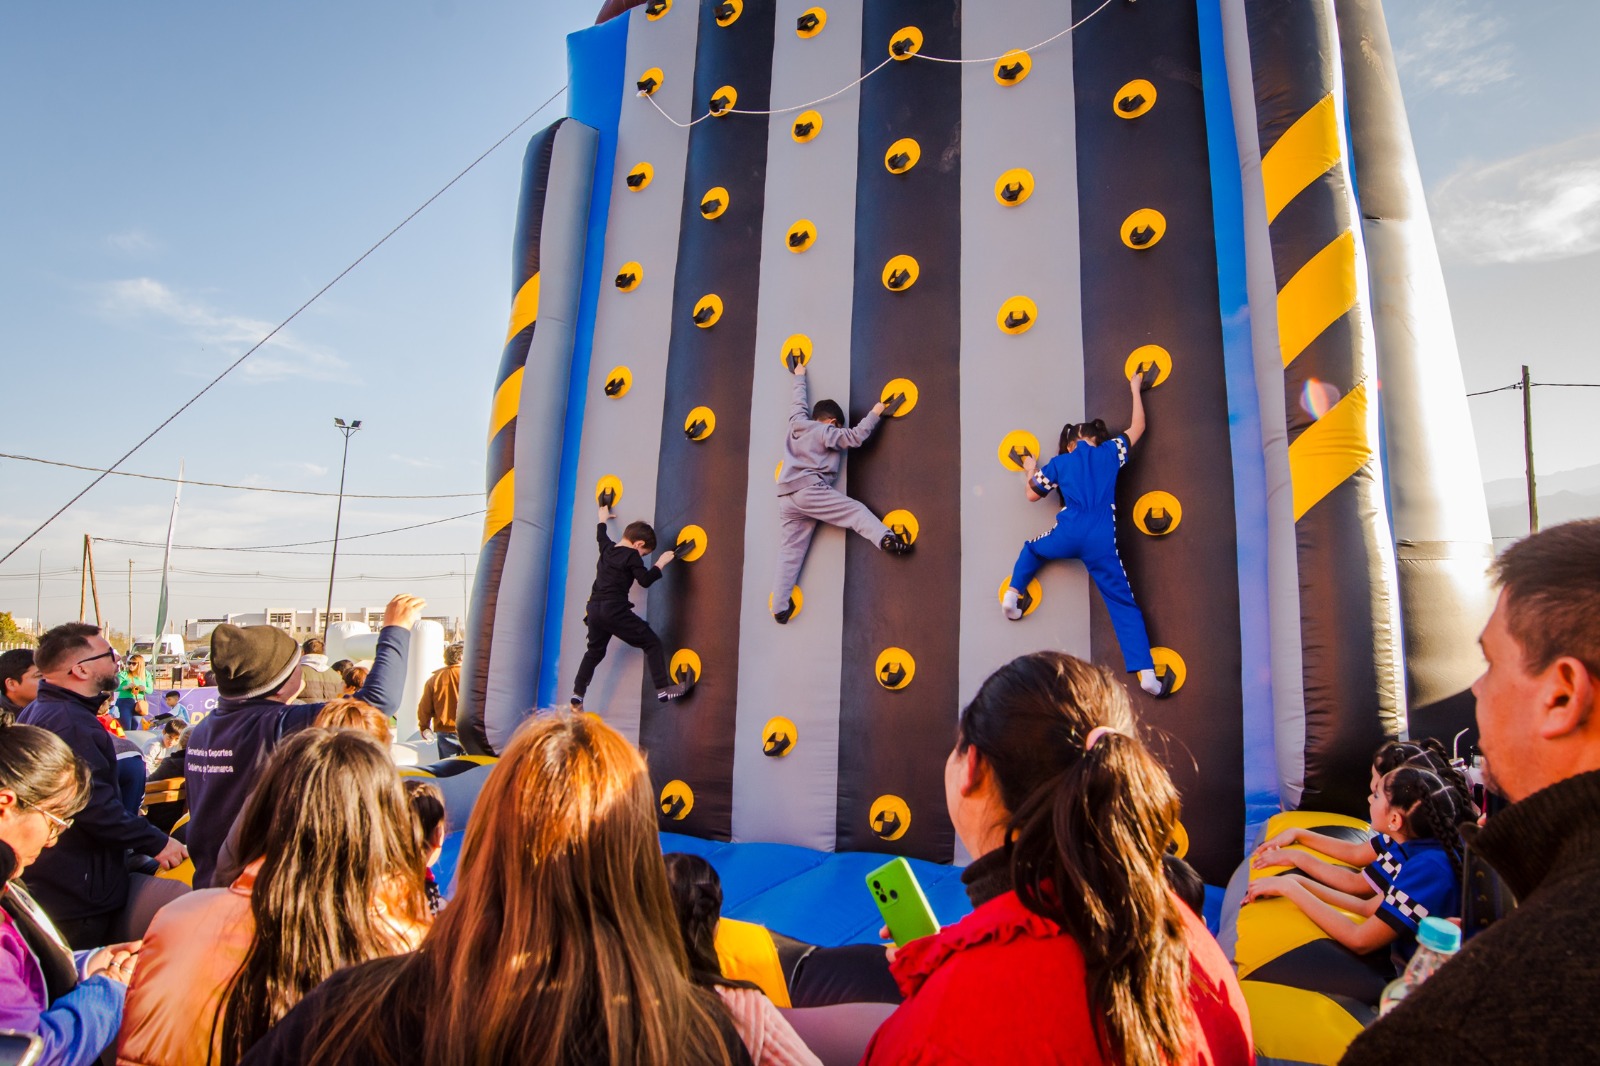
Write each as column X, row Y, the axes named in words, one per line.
column 1562, row 497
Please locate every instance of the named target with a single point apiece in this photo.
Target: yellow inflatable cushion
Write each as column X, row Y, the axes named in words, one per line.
column 1293, row 1025
column 1270, row 928
column 746, row 953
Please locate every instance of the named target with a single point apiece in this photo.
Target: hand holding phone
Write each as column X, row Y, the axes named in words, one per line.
column 901, row 901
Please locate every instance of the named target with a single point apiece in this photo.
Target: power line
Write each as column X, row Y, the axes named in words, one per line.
column 275, row 329
column 296, row 544
column 220, row 485
column 1517, row 386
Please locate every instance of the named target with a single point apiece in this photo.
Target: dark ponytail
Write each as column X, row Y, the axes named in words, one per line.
column 1428, row 754
column 1430, row 807
column 697, row 900
column 1088, row 830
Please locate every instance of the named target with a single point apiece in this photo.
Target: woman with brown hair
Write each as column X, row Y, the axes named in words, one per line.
column 560, row 946
column 1076, row 950
column 332, row 877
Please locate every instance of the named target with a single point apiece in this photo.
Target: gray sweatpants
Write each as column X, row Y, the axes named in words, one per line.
column 798, row 515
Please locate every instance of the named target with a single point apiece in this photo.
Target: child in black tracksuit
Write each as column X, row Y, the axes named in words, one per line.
column 610, row 611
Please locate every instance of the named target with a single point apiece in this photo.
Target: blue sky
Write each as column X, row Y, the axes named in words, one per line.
column 180, row 176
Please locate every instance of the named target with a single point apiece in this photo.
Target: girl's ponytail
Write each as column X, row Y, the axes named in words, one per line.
column 1092, row 815
column 1431, row 806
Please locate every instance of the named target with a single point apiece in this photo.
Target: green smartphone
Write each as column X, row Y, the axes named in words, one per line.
column 905, row 909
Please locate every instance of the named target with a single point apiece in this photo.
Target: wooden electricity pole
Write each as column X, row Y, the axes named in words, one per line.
column 1527, row 450
column 94, row 583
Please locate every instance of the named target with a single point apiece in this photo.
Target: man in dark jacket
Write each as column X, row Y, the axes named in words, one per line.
column 82, row 882
column 1527, row 989
column 322, row 684
column 19, row 683
column 258, row 677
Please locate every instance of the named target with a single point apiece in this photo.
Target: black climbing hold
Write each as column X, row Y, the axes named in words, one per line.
column 792, row 360
column 648, row 85
column 776, row 745
column 1158, row 520
column 1010, row 71
column 655, row 7
column 783, row 616
column 624, row 280
column 672, row 806
column 1147, row 376
column 892, row 404
column 1011, row 192
column 798, row 237
column 614, row 386
column 899, row 278
column 1017, row 455
column 902, row 46
column 886, row 824
column 1013, row 320
column 893, row 674
column 696, row 429
column 710, row 207
column 635, row 180
column 1024, row 601
column 704, row 314
column 899, row 160
column 720, row 104
column 685, row 675
column 1130, row 103
column 806, row 23
column 1142, row 236
column 684, row 547
column 803, row 129
column 723, row 11
column 607, row 497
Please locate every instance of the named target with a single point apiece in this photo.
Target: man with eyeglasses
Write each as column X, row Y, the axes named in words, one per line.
column 82, row 882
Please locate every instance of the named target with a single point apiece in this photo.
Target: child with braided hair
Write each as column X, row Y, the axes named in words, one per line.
column 1418, row 811
column 1373, row 858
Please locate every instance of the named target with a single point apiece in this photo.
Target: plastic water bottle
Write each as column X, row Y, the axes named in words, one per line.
column 1437, row 942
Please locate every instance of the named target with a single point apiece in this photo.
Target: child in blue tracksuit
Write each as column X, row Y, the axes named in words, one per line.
column 1085, row 475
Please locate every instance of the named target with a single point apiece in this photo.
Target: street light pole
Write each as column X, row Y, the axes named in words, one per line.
column 348, row 431
column 38, row 597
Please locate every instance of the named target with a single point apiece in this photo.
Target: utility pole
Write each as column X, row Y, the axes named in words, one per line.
column 83, row 578
column 338, row 517
column 130, row 603
column 1527, row 450
column 38, row 598
column 94, row 580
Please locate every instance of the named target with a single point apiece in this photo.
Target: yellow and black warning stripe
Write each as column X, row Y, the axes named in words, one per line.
column 1346, row 578
column 901, row 627
column 705, row 429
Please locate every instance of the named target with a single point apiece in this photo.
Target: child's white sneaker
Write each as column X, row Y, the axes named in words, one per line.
column 1011, row 604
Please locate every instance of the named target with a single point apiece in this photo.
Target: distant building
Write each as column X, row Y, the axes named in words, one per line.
column 302, row 625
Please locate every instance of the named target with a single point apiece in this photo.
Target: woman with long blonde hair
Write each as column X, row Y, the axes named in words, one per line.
column 560, row 946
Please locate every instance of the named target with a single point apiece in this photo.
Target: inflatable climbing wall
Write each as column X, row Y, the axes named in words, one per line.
column 1000, row 214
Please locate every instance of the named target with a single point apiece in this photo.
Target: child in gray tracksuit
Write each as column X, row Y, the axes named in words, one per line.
column 813, row 451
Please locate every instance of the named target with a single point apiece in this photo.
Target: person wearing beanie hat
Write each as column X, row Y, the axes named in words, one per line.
column 258, row 675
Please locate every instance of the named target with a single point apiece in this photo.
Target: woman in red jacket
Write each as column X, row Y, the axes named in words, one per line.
column 1076, row 951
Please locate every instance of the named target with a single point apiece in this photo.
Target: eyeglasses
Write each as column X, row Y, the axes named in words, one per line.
column 110, row 653
column 58, row 824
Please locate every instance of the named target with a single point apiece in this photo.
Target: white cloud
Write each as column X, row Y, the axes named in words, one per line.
column 284, row 356
column 133, row 242
column 1540, row 205
column 309, row 469
column 1456, row 49
column 418, row 464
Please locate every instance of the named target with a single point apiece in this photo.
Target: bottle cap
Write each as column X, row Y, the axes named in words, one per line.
column 1436, row 934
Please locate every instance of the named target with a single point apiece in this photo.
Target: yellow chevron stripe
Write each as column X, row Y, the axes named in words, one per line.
column 1293, row 1025
column 1317, row 296
column 525, row 308
column 507, row 400
column 501, row 499
column 1302, row 155
column 1331, row 450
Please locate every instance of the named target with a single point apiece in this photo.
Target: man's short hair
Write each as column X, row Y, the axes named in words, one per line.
column 174, row 692
column 1552, row 585
column 314, row 646
column 452, row 655
column 641, row 533
column 13, row 664
column 61, row 643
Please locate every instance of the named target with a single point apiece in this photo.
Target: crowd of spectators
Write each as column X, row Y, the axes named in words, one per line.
column 315, row 932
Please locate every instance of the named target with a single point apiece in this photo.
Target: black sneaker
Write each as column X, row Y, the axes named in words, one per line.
column 895, row 544
column 783, row 616
column 674, row 692
column 576, row 702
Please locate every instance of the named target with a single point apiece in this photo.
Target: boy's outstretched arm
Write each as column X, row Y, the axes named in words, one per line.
column 799, row 406
column 1136, row 427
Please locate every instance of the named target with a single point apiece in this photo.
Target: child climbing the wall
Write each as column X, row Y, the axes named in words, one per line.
column 813, row 451
column 1084, row 473
column 610, row 612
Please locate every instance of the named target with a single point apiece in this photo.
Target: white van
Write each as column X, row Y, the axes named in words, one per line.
column 169, row 652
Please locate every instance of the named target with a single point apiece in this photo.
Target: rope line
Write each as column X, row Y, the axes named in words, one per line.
column 840, row 92
column 275, row 547
column 220, row 485
column 231, row 367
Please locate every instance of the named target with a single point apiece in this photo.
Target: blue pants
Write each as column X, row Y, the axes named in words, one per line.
column 1095, row 542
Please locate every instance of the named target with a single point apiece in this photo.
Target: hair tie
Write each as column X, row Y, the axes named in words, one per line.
column 1094, row 735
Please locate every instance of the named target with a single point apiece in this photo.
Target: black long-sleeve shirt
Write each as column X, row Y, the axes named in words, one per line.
column 619, row 567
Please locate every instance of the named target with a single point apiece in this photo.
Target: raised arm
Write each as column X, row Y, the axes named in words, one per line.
column 1034, row 480
column 799, row 406
column 386, row 680
column 1136, row 426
